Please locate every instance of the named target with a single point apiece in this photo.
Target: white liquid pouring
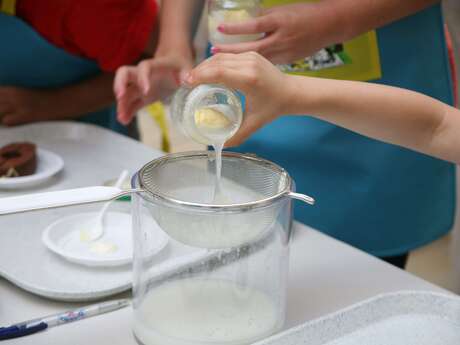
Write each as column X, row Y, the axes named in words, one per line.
column 219, row 196
column 217, row 125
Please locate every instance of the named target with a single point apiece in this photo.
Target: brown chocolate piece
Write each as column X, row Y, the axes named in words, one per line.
column 19, row 159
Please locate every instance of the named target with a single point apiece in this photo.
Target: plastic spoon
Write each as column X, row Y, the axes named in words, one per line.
column 96, row 231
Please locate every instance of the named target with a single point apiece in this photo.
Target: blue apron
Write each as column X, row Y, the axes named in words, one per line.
column 28, row 60
column 380, row 198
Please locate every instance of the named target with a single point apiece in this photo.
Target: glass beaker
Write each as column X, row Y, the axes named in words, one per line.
column 231, row 11
column 234, row 291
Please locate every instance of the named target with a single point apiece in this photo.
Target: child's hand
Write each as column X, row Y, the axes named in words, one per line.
column 150, row 81
column 262, row 83
column 19, row 106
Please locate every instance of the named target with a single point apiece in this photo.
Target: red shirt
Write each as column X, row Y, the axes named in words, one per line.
column 111, row 32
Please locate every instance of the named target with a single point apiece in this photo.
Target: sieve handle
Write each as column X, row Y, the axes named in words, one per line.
column 302, row 197
column 40, row 201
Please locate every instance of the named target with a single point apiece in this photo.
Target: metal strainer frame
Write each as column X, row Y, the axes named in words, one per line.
column 145, row 183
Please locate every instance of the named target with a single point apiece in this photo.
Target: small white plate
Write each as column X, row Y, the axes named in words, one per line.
column 114, row 248
column 48, row 165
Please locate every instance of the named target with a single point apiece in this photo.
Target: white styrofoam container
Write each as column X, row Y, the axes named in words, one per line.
column 401, row 318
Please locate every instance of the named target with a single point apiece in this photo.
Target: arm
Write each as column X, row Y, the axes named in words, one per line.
column 22, row 105
column 155, row 79
column 299, row 30
column 394, row 115
column 178, row 20
column 390, row 114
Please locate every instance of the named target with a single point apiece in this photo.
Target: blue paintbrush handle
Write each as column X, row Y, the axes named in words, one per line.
column 16, row 332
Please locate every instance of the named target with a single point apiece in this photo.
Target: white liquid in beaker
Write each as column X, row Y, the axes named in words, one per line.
column 198, row 311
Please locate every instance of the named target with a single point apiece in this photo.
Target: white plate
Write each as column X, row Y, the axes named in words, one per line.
column 48, row 165
column 114, row 248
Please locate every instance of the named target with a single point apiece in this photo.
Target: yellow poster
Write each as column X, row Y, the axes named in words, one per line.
column 8, row 7
column 357, row 59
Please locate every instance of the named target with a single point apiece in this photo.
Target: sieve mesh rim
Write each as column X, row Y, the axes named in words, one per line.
column 263, row 202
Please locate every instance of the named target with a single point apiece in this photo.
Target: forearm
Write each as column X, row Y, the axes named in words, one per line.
column 177, row 21
column 393, row 115
column 79, row 99
column 355, row 17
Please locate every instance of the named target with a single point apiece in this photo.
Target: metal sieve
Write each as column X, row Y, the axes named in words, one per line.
column 181, row 188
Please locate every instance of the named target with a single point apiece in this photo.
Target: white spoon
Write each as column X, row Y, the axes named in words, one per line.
column 96, row 231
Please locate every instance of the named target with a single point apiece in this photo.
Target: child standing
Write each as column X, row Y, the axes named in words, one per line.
column 354, row 187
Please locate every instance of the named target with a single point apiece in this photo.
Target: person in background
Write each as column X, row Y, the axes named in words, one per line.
column 59, row 57
column 370, row 194
column 394, row 115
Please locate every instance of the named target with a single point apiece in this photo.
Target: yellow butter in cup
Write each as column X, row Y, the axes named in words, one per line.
column 228, row 16
column 211, row 118
column 236, row 15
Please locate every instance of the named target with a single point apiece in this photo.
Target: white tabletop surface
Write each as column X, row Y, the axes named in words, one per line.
column 325, row 275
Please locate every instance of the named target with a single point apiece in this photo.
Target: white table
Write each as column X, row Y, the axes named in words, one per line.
column 325, row 275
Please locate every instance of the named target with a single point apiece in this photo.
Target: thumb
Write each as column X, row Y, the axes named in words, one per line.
column 184, row 76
